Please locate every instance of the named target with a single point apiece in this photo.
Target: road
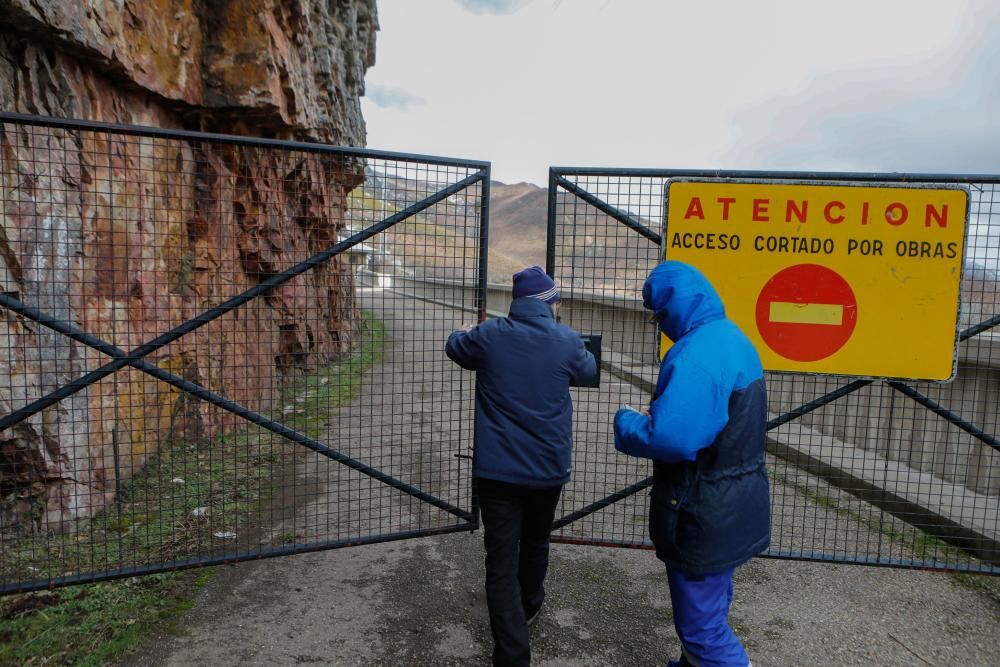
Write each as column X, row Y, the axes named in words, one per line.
column 421, row 601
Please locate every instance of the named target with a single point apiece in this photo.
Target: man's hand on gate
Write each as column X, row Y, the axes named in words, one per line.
column 468, row 327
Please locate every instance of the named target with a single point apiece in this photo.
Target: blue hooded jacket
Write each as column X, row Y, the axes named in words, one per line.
column 524, row 365
column 709, row 506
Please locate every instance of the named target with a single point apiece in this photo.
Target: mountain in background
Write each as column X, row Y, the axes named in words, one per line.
column 517, row 221
column 595, row 251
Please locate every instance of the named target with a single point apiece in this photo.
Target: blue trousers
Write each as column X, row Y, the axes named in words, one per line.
column 701, row 610
column 517, row 521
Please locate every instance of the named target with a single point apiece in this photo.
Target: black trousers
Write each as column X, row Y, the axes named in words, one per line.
column 517, row 521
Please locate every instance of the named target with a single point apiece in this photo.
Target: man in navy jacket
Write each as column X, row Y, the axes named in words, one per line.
column 525, row 364
column 704, row 430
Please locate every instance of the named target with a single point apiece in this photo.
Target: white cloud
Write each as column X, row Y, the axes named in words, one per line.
column 492, row 6
column 854, row 85
column 935, row 114
column 390, row 97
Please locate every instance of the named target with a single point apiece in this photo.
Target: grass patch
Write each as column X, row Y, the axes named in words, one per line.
column 194, row 499
column 333, row 386
column 358, row 199
column 92, row 624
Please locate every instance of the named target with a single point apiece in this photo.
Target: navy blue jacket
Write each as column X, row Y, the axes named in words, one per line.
column 709, row 506
column 524, row 364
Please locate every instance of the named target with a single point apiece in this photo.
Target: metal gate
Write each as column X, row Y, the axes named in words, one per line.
column 910, row 472
column 203, row 360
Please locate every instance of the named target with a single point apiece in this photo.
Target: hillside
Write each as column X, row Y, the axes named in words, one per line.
column 442, row 240
column 596, row 252
column 517, row 221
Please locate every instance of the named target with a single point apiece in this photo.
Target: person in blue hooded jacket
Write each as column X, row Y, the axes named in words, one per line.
column 704, row 430
column 525, row 364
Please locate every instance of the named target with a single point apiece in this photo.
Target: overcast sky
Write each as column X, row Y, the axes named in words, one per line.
column 858, row 85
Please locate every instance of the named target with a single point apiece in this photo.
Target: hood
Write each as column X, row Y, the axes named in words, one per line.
column 681, row 297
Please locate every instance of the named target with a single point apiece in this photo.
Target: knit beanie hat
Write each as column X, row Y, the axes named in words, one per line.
column 533, row 282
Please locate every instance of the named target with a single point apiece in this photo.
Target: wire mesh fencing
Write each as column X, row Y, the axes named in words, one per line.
column 219, row 348
column 881, row 472
column 203, row 356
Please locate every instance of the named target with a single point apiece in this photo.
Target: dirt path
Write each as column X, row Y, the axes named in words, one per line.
column 421, row 601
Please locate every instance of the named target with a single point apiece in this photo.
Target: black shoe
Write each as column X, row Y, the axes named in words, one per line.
column 532, row 615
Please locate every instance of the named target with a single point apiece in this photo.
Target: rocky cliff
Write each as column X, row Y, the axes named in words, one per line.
column 127, row 237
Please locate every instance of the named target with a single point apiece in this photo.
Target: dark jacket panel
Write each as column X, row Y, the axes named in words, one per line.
column 524, row 365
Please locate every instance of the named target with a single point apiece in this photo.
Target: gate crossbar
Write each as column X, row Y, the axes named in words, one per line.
column 211, row 314
column 604, row 207
column 135, row 358
column 633, row 224
column 235, row 408
column 248, row 497
column 558, row 180
column 228, row 559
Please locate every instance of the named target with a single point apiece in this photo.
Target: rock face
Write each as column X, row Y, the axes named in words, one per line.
column 127, row 237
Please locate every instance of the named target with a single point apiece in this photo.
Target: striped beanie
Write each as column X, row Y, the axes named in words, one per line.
column 534, row 283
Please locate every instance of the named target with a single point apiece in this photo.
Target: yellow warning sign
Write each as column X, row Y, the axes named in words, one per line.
column 847, row 279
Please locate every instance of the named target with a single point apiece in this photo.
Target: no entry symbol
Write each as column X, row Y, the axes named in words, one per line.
column 806, row 312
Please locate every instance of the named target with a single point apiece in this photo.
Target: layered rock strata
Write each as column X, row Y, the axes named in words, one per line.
column 127, row 237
